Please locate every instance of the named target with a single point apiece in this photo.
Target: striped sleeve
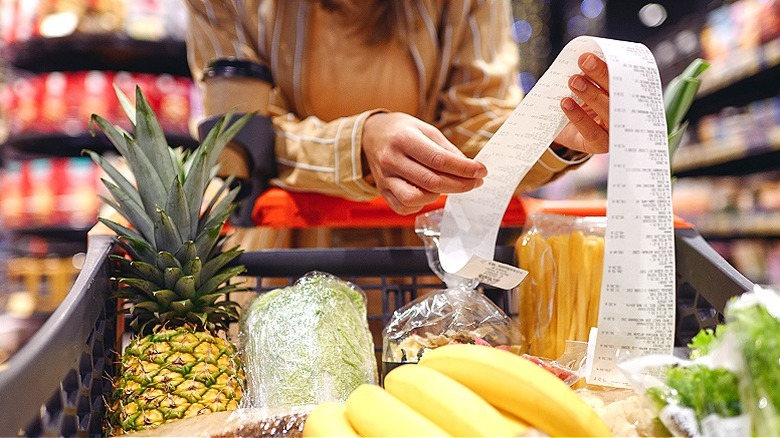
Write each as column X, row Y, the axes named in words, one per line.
column 482, row 90
column 322, row 157
column 311, row 155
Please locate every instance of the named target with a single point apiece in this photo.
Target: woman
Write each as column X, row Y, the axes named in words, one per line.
column 378, row 97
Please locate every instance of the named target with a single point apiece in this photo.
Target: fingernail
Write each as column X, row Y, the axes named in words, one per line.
column 578, row 83
column 589, row 63
column 568, row 104
column 481, row 172
column 479, row 183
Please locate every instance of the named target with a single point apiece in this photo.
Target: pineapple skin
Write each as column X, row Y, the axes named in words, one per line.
column 174, row 374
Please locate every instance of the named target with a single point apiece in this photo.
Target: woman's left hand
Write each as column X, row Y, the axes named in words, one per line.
column 588, row 127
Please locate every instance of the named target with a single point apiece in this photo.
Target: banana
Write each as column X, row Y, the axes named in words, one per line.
column 372, row 411
column 449, row 404
column 328, row 419
column 519, row 387
column 516, row 421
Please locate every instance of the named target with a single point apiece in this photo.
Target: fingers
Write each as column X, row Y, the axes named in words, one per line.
column 590, row 121
column 595, row 69
column 427, row 179
column 594, row 138
column 444, row 157
column 594, row 97
column 412, row 163
column 405, row 198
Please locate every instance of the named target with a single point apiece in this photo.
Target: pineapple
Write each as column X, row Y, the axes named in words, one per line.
column 175, row 275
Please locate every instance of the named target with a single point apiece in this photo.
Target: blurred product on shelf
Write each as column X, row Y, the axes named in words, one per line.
column 45, row 280
column 35, row 286
column 747, row 123
column 147, row 20
column 740, row 216
column 749, row 196
column 55, row 192
column 739, row 26
column 62, row 102
column 732, row 133
column 740, row 38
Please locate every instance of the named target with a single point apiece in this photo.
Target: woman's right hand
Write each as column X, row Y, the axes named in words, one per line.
column 412, row 163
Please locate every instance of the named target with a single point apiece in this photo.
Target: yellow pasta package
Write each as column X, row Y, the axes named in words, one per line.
column 559, row 300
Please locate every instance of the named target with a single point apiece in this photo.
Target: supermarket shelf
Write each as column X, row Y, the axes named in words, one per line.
column 63, row 145
column 738, row 225
column 59, row 232
column 748, row 77
column 99, row 52
column 735, row 157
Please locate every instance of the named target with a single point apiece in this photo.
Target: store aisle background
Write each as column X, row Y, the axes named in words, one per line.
column 58, row 60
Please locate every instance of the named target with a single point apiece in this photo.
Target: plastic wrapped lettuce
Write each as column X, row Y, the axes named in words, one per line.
column 730, row 385
column 306, row 343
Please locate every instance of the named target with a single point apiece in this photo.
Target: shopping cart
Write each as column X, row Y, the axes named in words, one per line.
column 56, row 384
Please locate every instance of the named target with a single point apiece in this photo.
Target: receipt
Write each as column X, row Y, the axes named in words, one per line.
column 636, row 312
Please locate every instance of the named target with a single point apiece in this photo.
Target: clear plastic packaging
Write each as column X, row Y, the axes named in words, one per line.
column 559, row 299
column 460, row 313
column 307, row 343
column 730, row 384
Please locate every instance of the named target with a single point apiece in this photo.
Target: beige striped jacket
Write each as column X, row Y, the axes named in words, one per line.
column 462, row 67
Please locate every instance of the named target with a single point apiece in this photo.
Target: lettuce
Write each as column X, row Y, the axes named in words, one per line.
column 734, row 369
column 306, row 343
column 758, row 332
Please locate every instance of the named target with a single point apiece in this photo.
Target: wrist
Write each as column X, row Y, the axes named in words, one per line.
column 565, row 153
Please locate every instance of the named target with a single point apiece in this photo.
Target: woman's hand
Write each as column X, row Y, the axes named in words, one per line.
column 412, row 163
column 588, row 127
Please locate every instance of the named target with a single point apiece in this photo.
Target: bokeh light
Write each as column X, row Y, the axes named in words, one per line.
column 592, row 8
column 577, row 25
column 521, row 31
column 652, row 15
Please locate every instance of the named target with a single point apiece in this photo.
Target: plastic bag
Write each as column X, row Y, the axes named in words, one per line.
column 306, row 343
column 730, row 385
column 559, row 299
column 460, row 313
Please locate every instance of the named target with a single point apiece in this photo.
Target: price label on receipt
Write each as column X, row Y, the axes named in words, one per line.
column 636, row 312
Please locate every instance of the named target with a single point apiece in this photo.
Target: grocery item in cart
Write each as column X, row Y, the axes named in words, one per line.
column 458, row 314
column 462, row 390
column 173, row 276
column 559, row 300
column 306, row 343
column 730, row 384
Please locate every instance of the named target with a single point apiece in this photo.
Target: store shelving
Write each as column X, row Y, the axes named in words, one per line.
column 60, row 62
column 64, row 145
column 735, row 156
column 743, row 78
column 738, row 225
column 99, row 52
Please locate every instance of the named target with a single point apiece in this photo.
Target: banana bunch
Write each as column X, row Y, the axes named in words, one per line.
column 461, row 390
column 559, row 300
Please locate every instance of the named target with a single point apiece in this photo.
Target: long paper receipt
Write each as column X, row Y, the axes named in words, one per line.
column 637, row 308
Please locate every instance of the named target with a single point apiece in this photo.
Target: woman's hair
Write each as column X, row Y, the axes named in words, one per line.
column 384, row 21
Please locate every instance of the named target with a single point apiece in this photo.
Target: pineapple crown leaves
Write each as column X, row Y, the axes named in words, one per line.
column 177, row 270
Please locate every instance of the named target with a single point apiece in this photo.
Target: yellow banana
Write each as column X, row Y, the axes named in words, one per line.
column 372, row 411
column 519, row 387
column 449, row 404
column 328, row 419
column 517, row 422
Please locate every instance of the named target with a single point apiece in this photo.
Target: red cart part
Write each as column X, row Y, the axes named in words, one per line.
column 277, row 208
